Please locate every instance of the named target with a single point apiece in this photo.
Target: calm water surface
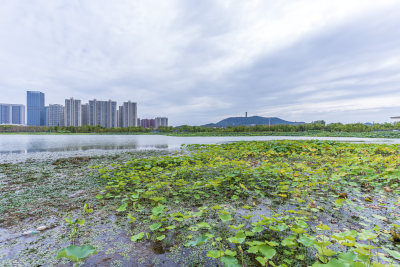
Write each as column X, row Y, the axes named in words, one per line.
column 25, row 144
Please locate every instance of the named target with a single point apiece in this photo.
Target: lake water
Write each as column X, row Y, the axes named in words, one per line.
column 22, row 147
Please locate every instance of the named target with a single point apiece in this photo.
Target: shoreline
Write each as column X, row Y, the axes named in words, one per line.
column 25, row 148
column 15, row 158
column 372, row 134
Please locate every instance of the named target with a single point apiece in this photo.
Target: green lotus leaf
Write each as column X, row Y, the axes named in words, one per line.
column 76, row 253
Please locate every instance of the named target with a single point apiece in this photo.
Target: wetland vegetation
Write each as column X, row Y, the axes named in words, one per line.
column 374, row 134
column 276, row 203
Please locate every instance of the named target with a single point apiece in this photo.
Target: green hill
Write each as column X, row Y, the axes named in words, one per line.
column 248, row 121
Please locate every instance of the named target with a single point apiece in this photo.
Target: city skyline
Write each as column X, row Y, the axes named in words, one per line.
column 106, row 114
column 38, row 98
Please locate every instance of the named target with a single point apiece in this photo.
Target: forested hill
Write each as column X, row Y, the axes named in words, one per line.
column 248, row 121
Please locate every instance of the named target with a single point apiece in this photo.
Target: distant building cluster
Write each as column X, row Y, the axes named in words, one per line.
column 153, row 123
column 106, row 114
column 147, row 123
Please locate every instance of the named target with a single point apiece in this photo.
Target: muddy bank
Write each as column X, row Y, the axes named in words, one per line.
column 19, row 157
column 36, row 196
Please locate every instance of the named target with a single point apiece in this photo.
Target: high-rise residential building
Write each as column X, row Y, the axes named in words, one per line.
column 128, row 114
column 85, row 114
column 12, row 114
column 72, row 112
column 55, row 115
column 103, row 113
column 161, row 121
column 120, row 117
column 35, row 108
column 113, row 117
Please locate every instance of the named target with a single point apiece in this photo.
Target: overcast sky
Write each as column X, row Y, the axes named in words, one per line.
column 198, row 62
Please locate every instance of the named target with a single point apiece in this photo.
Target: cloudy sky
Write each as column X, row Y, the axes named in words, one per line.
column 201, row 61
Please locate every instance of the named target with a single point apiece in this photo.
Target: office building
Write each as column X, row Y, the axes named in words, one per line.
column 128, row 114
column 18, row 114
column 5, row 114
column 35, row 108
column 12, row 114
column 55, row 115
column 45, row 115
column 72, row 112
column 103, row 113
column 161, row 121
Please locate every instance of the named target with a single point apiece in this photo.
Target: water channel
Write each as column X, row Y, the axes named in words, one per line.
column 23, row 147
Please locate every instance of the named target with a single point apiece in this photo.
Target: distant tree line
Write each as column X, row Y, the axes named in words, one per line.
column 72, row 129
column 315, row 126
column 332, row 127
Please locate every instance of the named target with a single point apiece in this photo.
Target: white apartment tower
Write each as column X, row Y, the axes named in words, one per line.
column 103, row 113
column 161, row 121
column 55, row 115
column 85, row 114
column 128, row 114
column 72, row 112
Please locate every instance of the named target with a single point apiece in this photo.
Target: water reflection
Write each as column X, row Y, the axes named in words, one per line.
column 14, row 144
column 19, row 144
column 80, row 148
column 13, row 152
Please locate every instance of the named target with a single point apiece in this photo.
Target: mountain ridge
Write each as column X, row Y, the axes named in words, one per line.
column 249, row 121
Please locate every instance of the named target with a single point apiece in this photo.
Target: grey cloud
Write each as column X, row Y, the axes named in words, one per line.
column 191, row 61
column 341, row 63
